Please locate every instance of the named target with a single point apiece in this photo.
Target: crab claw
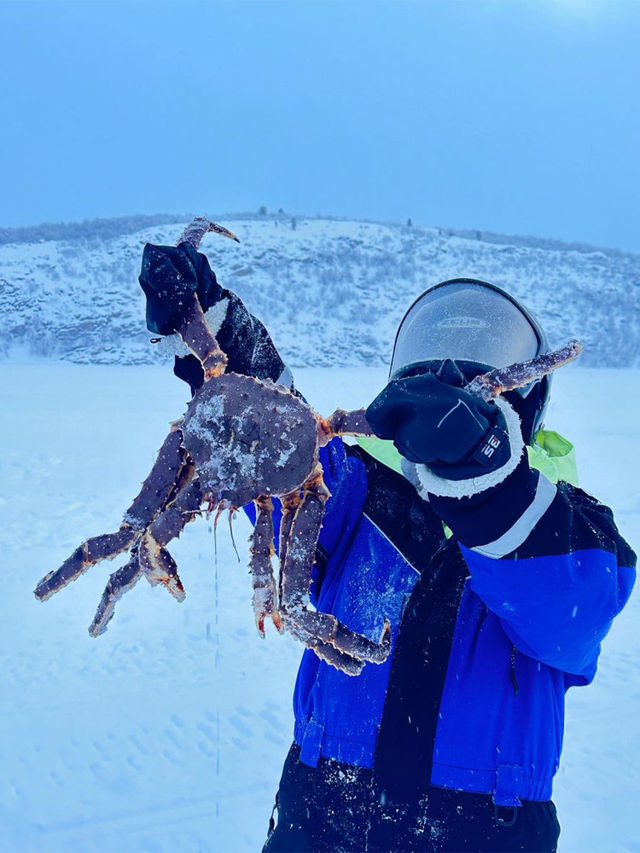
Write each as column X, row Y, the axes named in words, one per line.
column 275, row 618
column 264, row 606
column 174, row 585
column 224, row 232
column 159, row 567
column 121, row 581
column 195, row 231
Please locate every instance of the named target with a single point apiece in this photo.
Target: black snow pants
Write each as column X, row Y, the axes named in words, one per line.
column 334, row 808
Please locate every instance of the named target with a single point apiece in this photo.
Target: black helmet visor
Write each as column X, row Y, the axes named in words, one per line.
column 464, row 321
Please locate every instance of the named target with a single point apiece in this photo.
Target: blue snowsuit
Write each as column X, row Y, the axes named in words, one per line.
column 483, row 649
column 453, row 742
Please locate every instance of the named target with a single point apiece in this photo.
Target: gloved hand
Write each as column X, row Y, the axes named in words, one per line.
column 169, row 275
column 456, row 434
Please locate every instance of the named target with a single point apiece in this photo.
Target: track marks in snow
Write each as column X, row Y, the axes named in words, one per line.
column 240, row 725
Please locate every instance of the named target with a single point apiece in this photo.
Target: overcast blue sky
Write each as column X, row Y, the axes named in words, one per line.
column 514, row 116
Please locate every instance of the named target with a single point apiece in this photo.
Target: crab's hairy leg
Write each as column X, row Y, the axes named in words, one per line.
column 326, row 652
column 160, row 482
column 197, row 228
column 317, row 626
column 329, row 654
column 265, row 599
column 98, row 548
column 197, row 335
column 501, row 379
column 174, row 518
column 155, row 561
column 231, row 516
column 290, row 504
column 156, row 490
column 343, row 423
column 121, row 581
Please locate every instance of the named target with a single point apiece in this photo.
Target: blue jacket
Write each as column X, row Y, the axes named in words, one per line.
column 495, row 642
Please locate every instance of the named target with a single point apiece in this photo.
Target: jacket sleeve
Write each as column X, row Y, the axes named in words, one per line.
column 244, row 339
column 549, row 561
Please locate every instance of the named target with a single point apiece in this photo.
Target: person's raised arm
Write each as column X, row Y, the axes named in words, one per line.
column 169, row 275
column 547, row 559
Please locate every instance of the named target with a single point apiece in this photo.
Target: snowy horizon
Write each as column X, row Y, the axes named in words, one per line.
column 331, row 290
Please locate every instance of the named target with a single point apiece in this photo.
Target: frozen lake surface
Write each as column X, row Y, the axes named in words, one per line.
column 168, row 732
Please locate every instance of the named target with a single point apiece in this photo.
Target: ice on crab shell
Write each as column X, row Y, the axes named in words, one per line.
column 235, row 467
column 243, row 462
column 206, row 410
column 285, row 454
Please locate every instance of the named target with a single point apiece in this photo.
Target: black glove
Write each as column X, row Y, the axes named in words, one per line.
column 169, row 275
column 456, row 434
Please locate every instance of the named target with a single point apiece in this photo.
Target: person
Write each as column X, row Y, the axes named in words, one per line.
column 461, row 524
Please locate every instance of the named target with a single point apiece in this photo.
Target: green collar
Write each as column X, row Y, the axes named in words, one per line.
column 551, row 453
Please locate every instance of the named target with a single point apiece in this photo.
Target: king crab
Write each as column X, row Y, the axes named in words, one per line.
column 246, row 440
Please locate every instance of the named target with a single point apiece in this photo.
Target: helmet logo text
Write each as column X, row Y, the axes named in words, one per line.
column 462, row 323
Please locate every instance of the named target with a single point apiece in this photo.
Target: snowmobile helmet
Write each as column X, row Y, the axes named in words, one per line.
column 478, row 326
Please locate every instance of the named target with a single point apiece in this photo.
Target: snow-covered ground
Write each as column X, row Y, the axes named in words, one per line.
column 168, row 732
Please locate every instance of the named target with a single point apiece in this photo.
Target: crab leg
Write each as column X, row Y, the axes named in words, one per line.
column 160, row 482
column 121, row 581
column 155, row 491
column 159, row 567
column 196, row 334
column 343, row 423
column 290, row 504
column 173, row 519
column 324, row 651
column 155, row 561
column 330, row 654
column 195, row 231
column 502, row 379
column 488, row 385
column 264, row 586
column 92, row 551
column 193, row 328
column 302, row 538
column 321, row 629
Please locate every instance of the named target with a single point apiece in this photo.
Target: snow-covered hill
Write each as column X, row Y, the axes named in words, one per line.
column 330, row 291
